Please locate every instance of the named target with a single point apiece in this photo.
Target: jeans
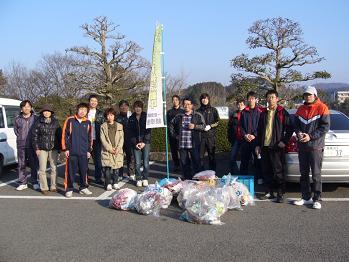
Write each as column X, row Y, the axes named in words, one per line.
column 234, row 169
column 140, row 155
column 52, row 156
column 186, row 161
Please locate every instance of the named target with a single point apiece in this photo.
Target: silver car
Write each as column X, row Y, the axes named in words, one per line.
column 335, row 166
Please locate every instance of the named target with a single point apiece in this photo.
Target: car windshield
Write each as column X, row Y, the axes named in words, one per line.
column 338, row 121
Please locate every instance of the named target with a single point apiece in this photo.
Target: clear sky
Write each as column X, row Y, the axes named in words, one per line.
column 200, row 37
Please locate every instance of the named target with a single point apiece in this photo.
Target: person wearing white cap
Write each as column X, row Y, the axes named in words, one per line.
column 312, row 122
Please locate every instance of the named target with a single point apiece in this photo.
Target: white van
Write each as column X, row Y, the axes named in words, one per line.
column 9, row 109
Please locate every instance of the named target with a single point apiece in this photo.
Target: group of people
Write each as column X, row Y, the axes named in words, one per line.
column 104, row 136
column 263, row 133
column 258, row 133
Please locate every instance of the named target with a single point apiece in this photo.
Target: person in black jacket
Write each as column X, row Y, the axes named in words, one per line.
column 96, row 118
column 234, row 135
column 274, row 131
column 175, row 110
column 208, row 139
column 187, row 129
column 140, row 139
column 46, row 143
column 122, row 118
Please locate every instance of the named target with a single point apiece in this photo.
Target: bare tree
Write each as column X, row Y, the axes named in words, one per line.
column 114, row 60
column 286, row 51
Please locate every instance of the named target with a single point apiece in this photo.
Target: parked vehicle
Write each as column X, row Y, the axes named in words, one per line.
column 335, row 166
column 9, row 109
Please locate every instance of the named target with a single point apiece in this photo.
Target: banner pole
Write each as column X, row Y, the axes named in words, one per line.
column 164, row 100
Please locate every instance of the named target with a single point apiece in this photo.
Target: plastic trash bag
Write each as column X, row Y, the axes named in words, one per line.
column 174, row 185
column 243, row 194
column 149, row 202
column 124, row 199
column 239, row 190
column 165, row 194
column 205, row 175
column 189, row 188
column 206, row 206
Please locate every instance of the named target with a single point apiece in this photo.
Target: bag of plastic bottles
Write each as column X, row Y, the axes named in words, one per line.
column 124, row 199
column 174, row 185
column 165, row 194
column 243, row 194
column 205, row 175
column 189, row 188
column 206, row 206
column 149, row 202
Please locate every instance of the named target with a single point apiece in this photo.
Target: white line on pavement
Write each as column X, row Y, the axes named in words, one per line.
column 15, row 180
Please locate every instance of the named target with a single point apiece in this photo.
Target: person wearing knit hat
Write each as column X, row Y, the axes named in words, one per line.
column 46, row 142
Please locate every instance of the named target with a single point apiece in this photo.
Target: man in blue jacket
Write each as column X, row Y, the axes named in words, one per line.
column 77, row 143
column 249, row 125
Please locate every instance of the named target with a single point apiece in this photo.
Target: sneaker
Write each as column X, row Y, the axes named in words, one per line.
column 302, row 202
column 69, row 194
column 260, row 181
column 44, row 192
column 53, row 189
column 116, row 186
column 139, row 183
column 133, row 178
column 109, row 187
column 317, row 205
column 269, row 196
column 21, row 187
column 85, row 191
column 145, row 182
column 36, row 187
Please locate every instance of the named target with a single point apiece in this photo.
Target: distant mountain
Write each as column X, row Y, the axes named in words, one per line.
column 332, row 87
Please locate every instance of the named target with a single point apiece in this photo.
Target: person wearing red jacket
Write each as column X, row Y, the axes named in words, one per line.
column 312, row 122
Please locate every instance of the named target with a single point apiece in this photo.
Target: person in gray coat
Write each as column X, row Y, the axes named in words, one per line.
column 25, row 152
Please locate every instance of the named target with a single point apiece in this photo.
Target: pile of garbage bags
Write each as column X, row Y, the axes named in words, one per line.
column 203, row 201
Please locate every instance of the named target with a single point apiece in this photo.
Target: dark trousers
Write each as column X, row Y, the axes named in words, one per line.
column 235, row 148
column 27, row 157
column 111, row 175
column 129, row 160
column 248, row 151
column 273, row 169
column 76, row 164
column 97, row 159
column 310, row 160
column 174, row 151
column 188, row 157
column 208, row 144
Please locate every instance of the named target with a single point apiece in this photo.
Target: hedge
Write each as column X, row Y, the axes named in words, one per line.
column 222, row 143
